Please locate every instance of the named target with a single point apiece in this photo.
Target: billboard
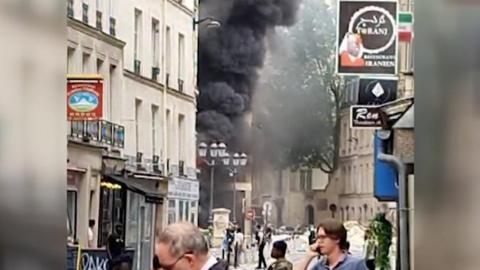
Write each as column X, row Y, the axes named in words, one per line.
column 84, row 97
column 367, row 37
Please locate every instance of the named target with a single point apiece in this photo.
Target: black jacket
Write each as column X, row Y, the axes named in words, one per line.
column 220, row 265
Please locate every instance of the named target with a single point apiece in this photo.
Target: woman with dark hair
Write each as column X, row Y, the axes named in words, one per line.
column 115, row 248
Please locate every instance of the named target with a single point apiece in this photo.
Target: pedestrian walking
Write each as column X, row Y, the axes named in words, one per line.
column 369, row 249
column 332, row 243
column 181, row 246
column 262, row 241
column 225, row 244
column 238, row 247
column 279, row 250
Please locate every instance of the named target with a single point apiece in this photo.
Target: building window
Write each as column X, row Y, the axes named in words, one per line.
column 155, row 49
column 70, row 12
column 72, row 214
column 181, row 61
column 181, row 137
column 86, row 63
column 193, row 207
column 70, row 60
column 138, row 104
column 172, row 211
column 85, row 12
column 137, row 43
column 154, row 129
column 168, row 50
column 181, row 210
column 112, row 214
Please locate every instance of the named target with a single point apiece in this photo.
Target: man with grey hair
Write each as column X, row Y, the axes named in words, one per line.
column 181, row 246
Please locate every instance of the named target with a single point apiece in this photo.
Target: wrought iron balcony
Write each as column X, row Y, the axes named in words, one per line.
column 100, row 132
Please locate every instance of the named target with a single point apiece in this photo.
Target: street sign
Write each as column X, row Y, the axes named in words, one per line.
column 250, row 215
column 377, row 91
column 367, row 37
column 365, row 117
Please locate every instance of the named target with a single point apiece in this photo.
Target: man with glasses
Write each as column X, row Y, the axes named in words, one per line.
column 181, row 246
column 333, row 246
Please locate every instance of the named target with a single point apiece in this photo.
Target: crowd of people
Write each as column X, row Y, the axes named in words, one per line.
column 182, row 246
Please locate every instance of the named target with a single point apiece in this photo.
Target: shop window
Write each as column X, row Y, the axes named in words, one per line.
column 181, row 209
column 132, row 220
column 72, row 214
column 112, row 213
column 171, row 211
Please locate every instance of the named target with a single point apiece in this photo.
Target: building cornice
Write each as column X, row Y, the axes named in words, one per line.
column 95, row 33
column 154, row 84
column 182, row 7
column 143, row 80
column 181, row 95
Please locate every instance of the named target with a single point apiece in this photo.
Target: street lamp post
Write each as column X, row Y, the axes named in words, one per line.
column 238, row 160
column 209, row 154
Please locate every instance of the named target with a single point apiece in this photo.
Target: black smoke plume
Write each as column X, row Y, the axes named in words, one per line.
column 229, row 60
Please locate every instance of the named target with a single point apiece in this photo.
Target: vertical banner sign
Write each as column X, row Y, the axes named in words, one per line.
column 367, row 37
column 84, row 99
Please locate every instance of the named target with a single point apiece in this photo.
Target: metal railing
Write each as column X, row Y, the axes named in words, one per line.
column 99, row 132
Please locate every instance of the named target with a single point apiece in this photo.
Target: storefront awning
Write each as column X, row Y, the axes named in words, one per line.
column 138, row 186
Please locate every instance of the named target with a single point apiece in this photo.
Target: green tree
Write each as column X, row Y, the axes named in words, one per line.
column 302, row 93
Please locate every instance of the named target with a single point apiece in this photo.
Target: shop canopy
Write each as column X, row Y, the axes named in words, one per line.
column 146, row 188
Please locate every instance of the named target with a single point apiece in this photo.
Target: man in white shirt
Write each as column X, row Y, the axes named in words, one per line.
column 182, row 246
column 91, row 225
column 238, row 245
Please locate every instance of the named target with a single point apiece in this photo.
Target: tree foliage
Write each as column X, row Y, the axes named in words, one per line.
column 302, row 93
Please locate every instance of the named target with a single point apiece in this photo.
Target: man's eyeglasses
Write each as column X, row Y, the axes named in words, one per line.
column 157, row 265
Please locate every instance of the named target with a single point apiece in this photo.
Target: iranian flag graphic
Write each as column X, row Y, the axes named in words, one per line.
column 405, row 26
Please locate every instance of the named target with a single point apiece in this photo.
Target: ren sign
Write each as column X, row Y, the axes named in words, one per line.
column 365, row 117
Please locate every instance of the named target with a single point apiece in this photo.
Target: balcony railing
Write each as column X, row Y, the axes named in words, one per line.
column 98, row 132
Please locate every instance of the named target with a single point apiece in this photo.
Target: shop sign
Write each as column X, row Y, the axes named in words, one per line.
column 367, row 37
column 365, row 117
column 377, row 91
column 183, row 189
column 84, row 98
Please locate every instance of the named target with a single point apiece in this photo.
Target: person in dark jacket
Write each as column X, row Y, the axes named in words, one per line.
column 182, row 246
column 122, row 262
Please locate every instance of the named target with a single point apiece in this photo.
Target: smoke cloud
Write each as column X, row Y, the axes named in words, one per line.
column 229, row 60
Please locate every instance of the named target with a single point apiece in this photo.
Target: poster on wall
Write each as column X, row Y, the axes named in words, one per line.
column 367, row 37
column 84, row 97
